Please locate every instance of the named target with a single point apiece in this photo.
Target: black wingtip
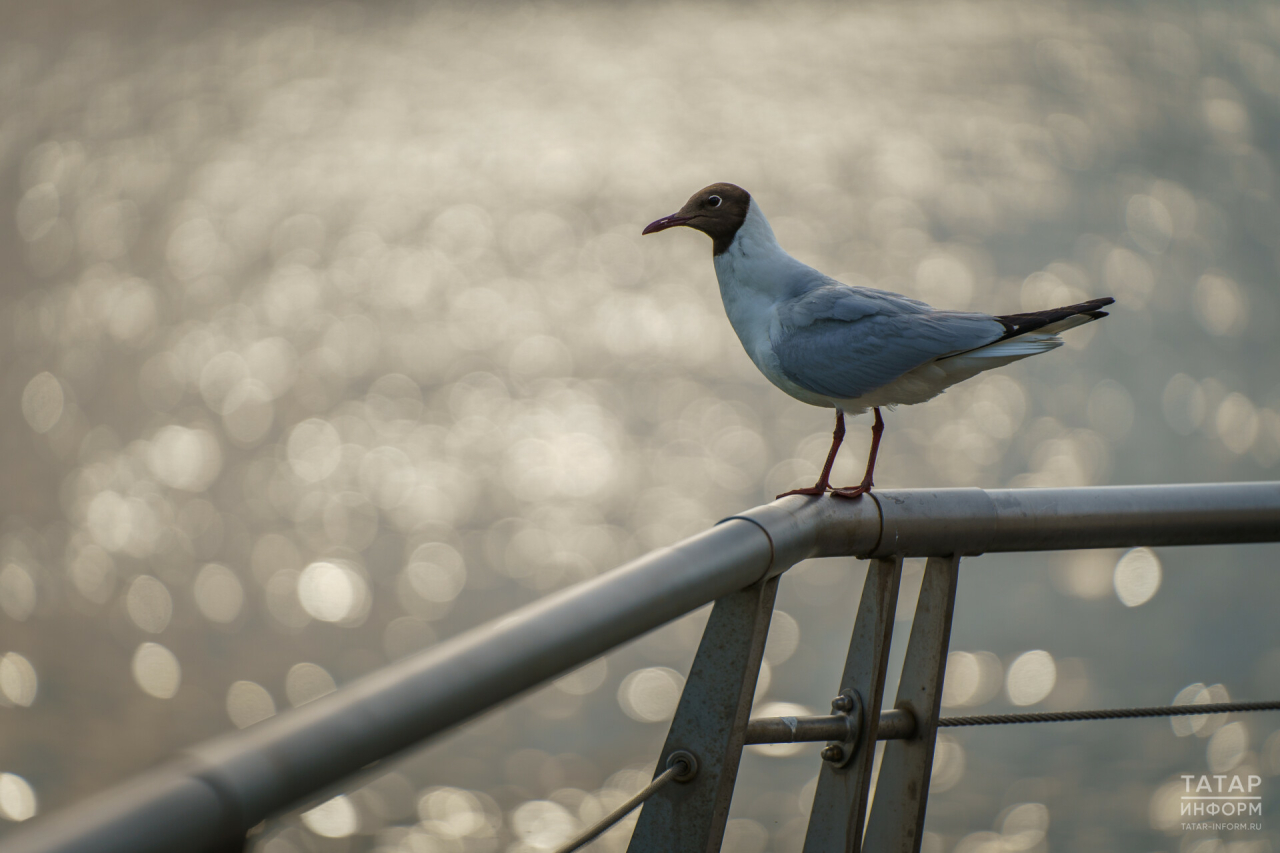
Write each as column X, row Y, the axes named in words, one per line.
column 1020, row 324
column 1096, row 304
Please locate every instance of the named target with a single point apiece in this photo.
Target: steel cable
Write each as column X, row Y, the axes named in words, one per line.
column 1110, row 714
column 680, row 767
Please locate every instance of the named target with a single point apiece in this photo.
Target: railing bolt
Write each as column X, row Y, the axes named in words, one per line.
column 832, row 753
column 842, row 703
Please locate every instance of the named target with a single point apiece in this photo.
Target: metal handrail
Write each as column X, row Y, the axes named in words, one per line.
column 209, row 796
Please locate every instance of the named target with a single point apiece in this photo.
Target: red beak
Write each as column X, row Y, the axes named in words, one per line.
column 666, row 222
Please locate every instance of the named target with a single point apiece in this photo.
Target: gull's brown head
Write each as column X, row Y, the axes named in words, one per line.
column 717, row 211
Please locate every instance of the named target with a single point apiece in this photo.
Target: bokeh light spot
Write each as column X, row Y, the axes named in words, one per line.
column 156, row 670
column 314, row 449
column 249, row 702
column 18, row 681
column 962, row 679
column 17, row 592
column 335, row 818
column 17, row 799
column 543, row 825
column 42, row 402
column 1087, row 574
column 187, row 459
column 1227, row 747
column 1237, row 423
column 784, row 638
column 1137, row 577
column 1220, row 305
column 1031, row 677
column 585, row 679
column 650, row 695
column 307, row 682
column 948, row 764
column 149, row 604
column 331, row 592
column 1024, row 826
column 218, row 593
column 93, row 573
column 436, row 572
column 453, row 813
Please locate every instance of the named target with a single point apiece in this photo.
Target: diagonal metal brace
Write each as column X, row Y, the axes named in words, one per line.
column 896, row 824
column 839, row 804
column 710, row 723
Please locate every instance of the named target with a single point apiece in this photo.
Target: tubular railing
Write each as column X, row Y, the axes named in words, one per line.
column 209, row 797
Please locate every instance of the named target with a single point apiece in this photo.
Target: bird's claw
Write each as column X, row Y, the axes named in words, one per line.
column 811, row 491
column 852, row 492
column 848, row 493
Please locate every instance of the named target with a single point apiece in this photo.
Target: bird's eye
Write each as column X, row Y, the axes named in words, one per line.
column 713, row 201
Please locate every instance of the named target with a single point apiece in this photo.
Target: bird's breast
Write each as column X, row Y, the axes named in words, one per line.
column 750, row 313
column 754, row 318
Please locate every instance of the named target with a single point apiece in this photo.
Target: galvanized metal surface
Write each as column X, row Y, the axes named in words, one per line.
column 896, row 823
column 896, row 724
column 927, row 523
column 710, row 722
column 839, row 803
column 838, row 727
column 216, row 790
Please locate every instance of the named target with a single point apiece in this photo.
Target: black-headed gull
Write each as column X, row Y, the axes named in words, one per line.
column 844, row 347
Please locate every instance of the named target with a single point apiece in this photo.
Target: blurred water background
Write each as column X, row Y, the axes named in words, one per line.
column 328, row 332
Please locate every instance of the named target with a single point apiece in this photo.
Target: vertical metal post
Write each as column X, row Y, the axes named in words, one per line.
column 840, row 802
column 896, row 823
column 711, row 723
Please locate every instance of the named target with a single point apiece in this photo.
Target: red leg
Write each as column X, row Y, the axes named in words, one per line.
column 820, row 487
column 865, row 486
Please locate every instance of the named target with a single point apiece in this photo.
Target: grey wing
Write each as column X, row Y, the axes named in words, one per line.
column 827, row 299
column 847, row 358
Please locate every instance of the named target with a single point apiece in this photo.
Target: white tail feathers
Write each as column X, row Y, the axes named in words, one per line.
column 1019, row 347
column 1041, row 340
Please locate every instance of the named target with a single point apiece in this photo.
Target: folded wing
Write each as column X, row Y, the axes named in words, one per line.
column 844, row 342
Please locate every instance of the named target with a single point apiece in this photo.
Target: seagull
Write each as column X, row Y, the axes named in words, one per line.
column 844, row 347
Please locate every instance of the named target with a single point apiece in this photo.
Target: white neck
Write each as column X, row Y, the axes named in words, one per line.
column 755, row 262
column 755, row 235
column 754, row 275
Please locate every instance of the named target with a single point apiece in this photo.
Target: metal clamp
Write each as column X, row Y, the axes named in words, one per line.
column 848, row 705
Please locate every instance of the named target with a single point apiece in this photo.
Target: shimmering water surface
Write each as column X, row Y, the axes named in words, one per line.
column 329, row 332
